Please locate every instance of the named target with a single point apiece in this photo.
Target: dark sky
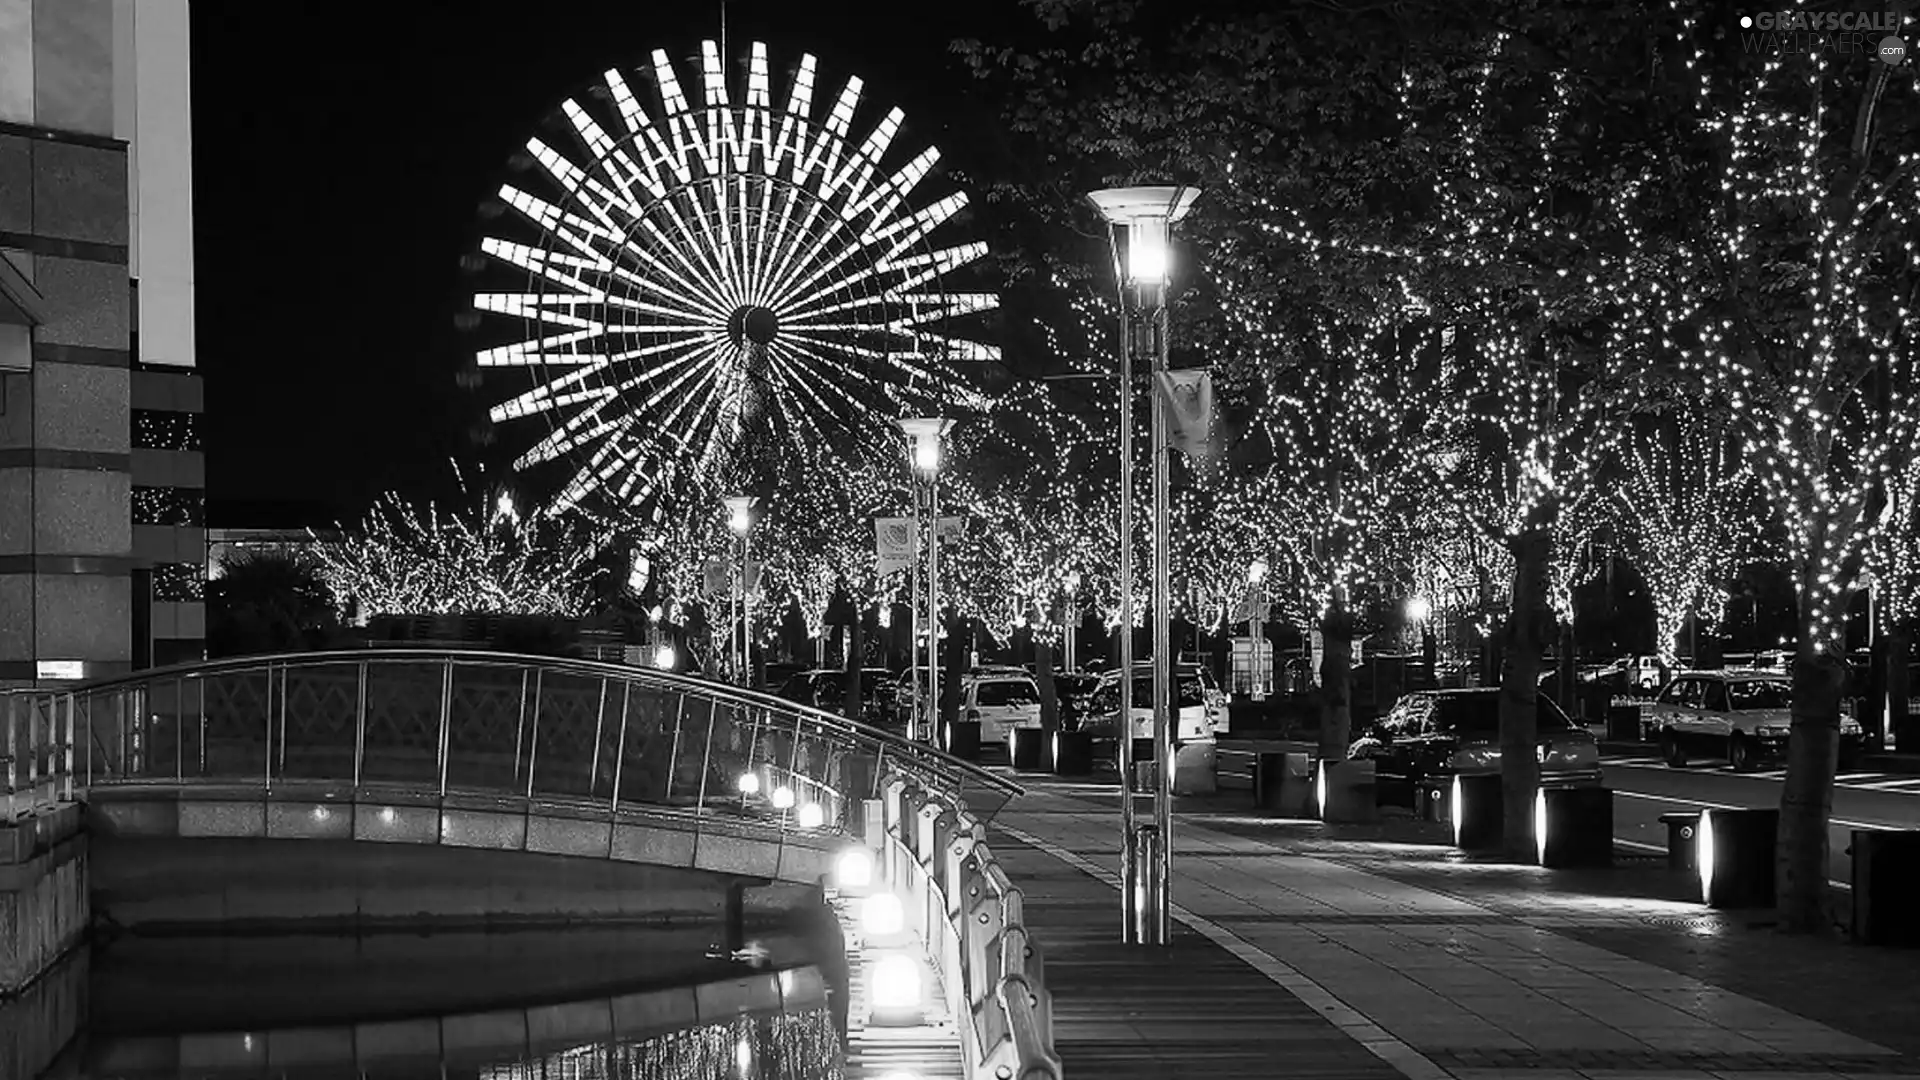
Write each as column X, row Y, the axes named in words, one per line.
column 340, row 160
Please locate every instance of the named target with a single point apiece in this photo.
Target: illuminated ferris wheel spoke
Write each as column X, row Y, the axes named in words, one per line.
column 696, row 271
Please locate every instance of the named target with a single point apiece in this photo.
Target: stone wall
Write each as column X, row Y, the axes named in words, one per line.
column 44, row 908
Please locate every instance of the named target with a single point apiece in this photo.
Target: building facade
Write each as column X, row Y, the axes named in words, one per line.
column 102, row 478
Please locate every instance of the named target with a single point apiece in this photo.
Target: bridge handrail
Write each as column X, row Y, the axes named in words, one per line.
column 970, row 917
column 36, row 755
column 117, row 729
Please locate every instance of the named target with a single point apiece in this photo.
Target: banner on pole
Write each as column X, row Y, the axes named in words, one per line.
column 895, row 542
column 714, row 578
column 754, row 569
column 951, row 528
column 1188, row 399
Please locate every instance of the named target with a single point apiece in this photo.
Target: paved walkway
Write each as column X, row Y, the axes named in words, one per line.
column 1351, row 955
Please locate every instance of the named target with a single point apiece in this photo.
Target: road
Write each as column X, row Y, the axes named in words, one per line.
column 1644, row 788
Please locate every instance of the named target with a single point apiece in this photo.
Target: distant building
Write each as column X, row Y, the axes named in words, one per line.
column 102, row 470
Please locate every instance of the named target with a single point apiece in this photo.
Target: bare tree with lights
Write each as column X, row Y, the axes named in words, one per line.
column 1794, row 293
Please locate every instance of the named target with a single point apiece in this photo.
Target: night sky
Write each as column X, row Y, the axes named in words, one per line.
column 340, row 161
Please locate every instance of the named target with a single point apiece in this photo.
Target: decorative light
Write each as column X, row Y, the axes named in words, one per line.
column 810, row 816
column 853, row 869
column 782, row 798
column 881, row 915
column 666, row 658
column 749, row 783
column 895, row 985
column 1256, row 571
column 1419, row 608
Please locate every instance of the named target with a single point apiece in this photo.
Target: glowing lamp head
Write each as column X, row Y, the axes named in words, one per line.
column 925, row 433
column 895, row 985
column 749, row 783
column 811, row 816
column 740, row 513
column 853, row 869
column 882, row 915
column 743, row 1055
column 1320, row 788
column 1256, row 571
column 1148, row 214
column 665, row 658
column 782, row 798
column 1418, row 608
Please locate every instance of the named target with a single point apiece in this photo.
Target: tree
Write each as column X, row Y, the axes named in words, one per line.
column 1686, row 520
column 1792, row 290
column 269, row 601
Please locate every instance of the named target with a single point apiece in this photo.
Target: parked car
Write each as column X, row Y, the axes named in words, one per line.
column 1197, row 717
column 1432, row 735
column 1742, row 717
column 1000, row 701
column 1075, row 690
column 827, row 690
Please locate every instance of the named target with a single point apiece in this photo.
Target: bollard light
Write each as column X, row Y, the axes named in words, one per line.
column 1479, row 815
column 1540, row 827
column 853, row 869
column 811, row 816
column 1736, row 855
column 743, row 1055
column 1573, row 826
column 896, row 988
column 882, row 915
column 782, row 798
column 1320, row 790
column 749, row 783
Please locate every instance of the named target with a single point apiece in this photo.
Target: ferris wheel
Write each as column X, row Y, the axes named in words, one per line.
column 693, row 278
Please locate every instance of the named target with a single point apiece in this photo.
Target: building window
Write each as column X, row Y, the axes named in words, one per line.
column 155, row 429
column 169, row 506
column 179, row 583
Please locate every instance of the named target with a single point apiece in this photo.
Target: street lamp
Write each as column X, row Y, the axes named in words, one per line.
column 1140, row 226
column 923, row 437
column 1071, row 623
column 740, row 520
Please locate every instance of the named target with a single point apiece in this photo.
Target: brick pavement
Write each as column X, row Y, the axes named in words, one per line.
column 1442, row 966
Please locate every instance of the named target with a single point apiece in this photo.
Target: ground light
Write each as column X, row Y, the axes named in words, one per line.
column 896, row 989
column 811, row 816
column 1540, row 827
column 1479, row 812
column 749, row 783
column 1736, row 856
column 1573, row 826
column 782, row 798
column 882, row 916
column 1320, row 790
column 853, row 870
column 1703, row 854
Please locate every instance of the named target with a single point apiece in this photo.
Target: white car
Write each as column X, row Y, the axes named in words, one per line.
column 1201, row 714
column 1742, row 717
column 1000, row 702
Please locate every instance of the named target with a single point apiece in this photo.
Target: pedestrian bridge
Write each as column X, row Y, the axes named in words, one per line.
column 469, row 750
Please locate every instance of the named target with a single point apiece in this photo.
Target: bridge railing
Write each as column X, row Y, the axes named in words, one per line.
column 36, row 746
column 492, row 724
column 970, row 918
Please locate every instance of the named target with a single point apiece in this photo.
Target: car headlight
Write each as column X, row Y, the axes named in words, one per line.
column 1772, row 731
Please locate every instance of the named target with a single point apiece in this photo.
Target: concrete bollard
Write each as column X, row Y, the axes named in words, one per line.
column 1345, row 792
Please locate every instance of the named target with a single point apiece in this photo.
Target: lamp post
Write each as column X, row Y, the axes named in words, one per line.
column 923, row 435
column 1140, row 224
column 1071, row 622
column 740, row 520
column 1256, row 592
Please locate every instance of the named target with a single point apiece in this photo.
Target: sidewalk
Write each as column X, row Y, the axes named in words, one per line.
column 1347, row 952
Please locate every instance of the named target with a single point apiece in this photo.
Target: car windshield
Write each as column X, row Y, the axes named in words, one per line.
column 1479, row 715
column 1009, row 692
column 1759, row 694
column 1187, row 689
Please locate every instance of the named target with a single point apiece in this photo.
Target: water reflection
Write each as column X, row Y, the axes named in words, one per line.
column 553, row 1005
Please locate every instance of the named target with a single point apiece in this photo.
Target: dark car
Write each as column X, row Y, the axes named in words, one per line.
column 827, row 690
column 1075, row 691
column 1431, row 735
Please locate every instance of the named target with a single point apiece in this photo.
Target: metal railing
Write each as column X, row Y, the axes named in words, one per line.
column 460, row 722
column 37, row 748
column 970, row 917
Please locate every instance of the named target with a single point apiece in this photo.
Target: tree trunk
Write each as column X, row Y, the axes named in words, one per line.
column 1043, row 677
column 1806, row 799
column 1899, row 685
column 1567, row 678
column 955, row 661
column 1336, row 682
column 855, row 653
column 1529, row 627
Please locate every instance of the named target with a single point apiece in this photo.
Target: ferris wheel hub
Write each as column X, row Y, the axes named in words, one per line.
column 754, row 324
